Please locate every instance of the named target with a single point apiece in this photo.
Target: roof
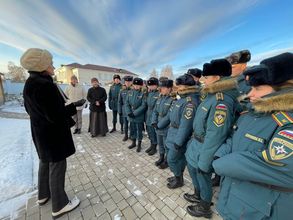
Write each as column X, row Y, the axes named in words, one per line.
column 98, row 67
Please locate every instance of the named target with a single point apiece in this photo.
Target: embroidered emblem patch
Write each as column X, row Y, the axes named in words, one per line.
column 220, row 117
column 280, row 149
column 188, row 113
column 287, row 134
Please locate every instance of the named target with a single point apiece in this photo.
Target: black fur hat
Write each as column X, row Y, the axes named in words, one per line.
column 186, row 80
column 166, row 83
column 153, row 81
column 116, row 76
column 128, row 78
column 195, row 72
column 219, row 67
column 274, row 70
column 137, row 81
column 257, row 75
column 242, row 56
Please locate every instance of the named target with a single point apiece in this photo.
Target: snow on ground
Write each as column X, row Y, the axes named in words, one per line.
column 13, row 106
column 18, row 164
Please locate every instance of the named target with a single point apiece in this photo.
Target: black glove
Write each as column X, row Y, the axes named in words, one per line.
column 201, row 171
column 177, row 147
column 131, row 115
column 79, row 103
column 155, row 125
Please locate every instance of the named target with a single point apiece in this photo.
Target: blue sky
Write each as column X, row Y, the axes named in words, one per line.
column 141, row 35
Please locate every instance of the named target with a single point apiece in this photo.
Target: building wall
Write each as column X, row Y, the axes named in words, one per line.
column 63, row 74
column 84, row 76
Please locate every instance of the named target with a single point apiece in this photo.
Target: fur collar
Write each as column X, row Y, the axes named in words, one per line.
column 221, row 85
column 281, row 101
column 188, row 90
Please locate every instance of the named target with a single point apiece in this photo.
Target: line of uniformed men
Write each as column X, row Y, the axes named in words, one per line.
column 207, row 129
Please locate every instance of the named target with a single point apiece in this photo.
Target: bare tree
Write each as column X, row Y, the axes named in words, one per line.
column 167, row 71
column 16, row 73
column 154, row 73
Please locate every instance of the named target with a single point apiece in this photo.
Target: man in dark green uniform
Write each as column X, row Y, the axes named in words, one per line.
column 180, row 117
column 256, row 163
column 122, row 103
column 239, row 62
column 113, row 102
column 196, row 75
column 211, row 126
column 152, row 97
column 135, row 110
column 160, row 112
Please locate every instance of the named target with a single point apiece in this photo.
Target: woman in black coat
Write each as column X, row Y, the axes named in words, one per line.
column 97, row 97
column 50, row 127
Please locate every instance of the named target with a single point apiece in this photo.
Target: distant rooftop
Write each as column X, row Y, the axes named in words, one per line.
column 98, row 67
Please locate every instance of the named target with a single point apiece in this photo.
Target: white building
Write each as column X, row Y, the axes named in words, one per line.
column 84, row 73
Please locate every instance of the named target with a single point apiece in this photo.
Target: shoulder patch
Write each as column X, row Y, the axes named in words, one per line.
column 188, row 113
column 219, row 96
column 220, row 117
column 287, row 134
column 282, row 118
column 280, row 149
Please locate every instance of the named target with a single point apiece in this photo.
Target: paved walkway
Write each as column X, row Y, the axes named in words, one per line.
column 114, row 182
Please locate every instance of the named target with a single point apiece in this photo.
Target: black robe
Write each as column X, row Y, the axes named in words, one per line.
column 98, row 116
column 50, row 118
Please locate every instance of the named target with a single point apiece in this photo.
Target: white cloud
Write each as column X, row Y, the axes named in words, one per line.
column 103, row 32
column 257, row 58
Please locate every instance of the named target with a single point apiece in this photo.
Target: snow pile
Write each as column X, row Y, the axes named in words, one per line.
column 13, row 106
column 18, row 164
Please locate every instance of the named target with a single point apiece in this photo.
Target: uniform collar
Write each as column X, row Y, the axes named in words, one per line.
column 276, row 101
column 226, row 83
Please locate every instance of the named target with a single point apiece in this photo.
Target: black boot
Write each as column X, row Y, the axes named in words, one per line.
column 149, row 149
column 164, row 165
column 153, row 150
column 133, row 144
column 202, row 209
column 193, row 198
column 160, row 161
column 171, row 179
column 125, row 137
column 113, row 129
column 138, row 149
column 75, row 131
column 178, row 182
column 216, row 180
